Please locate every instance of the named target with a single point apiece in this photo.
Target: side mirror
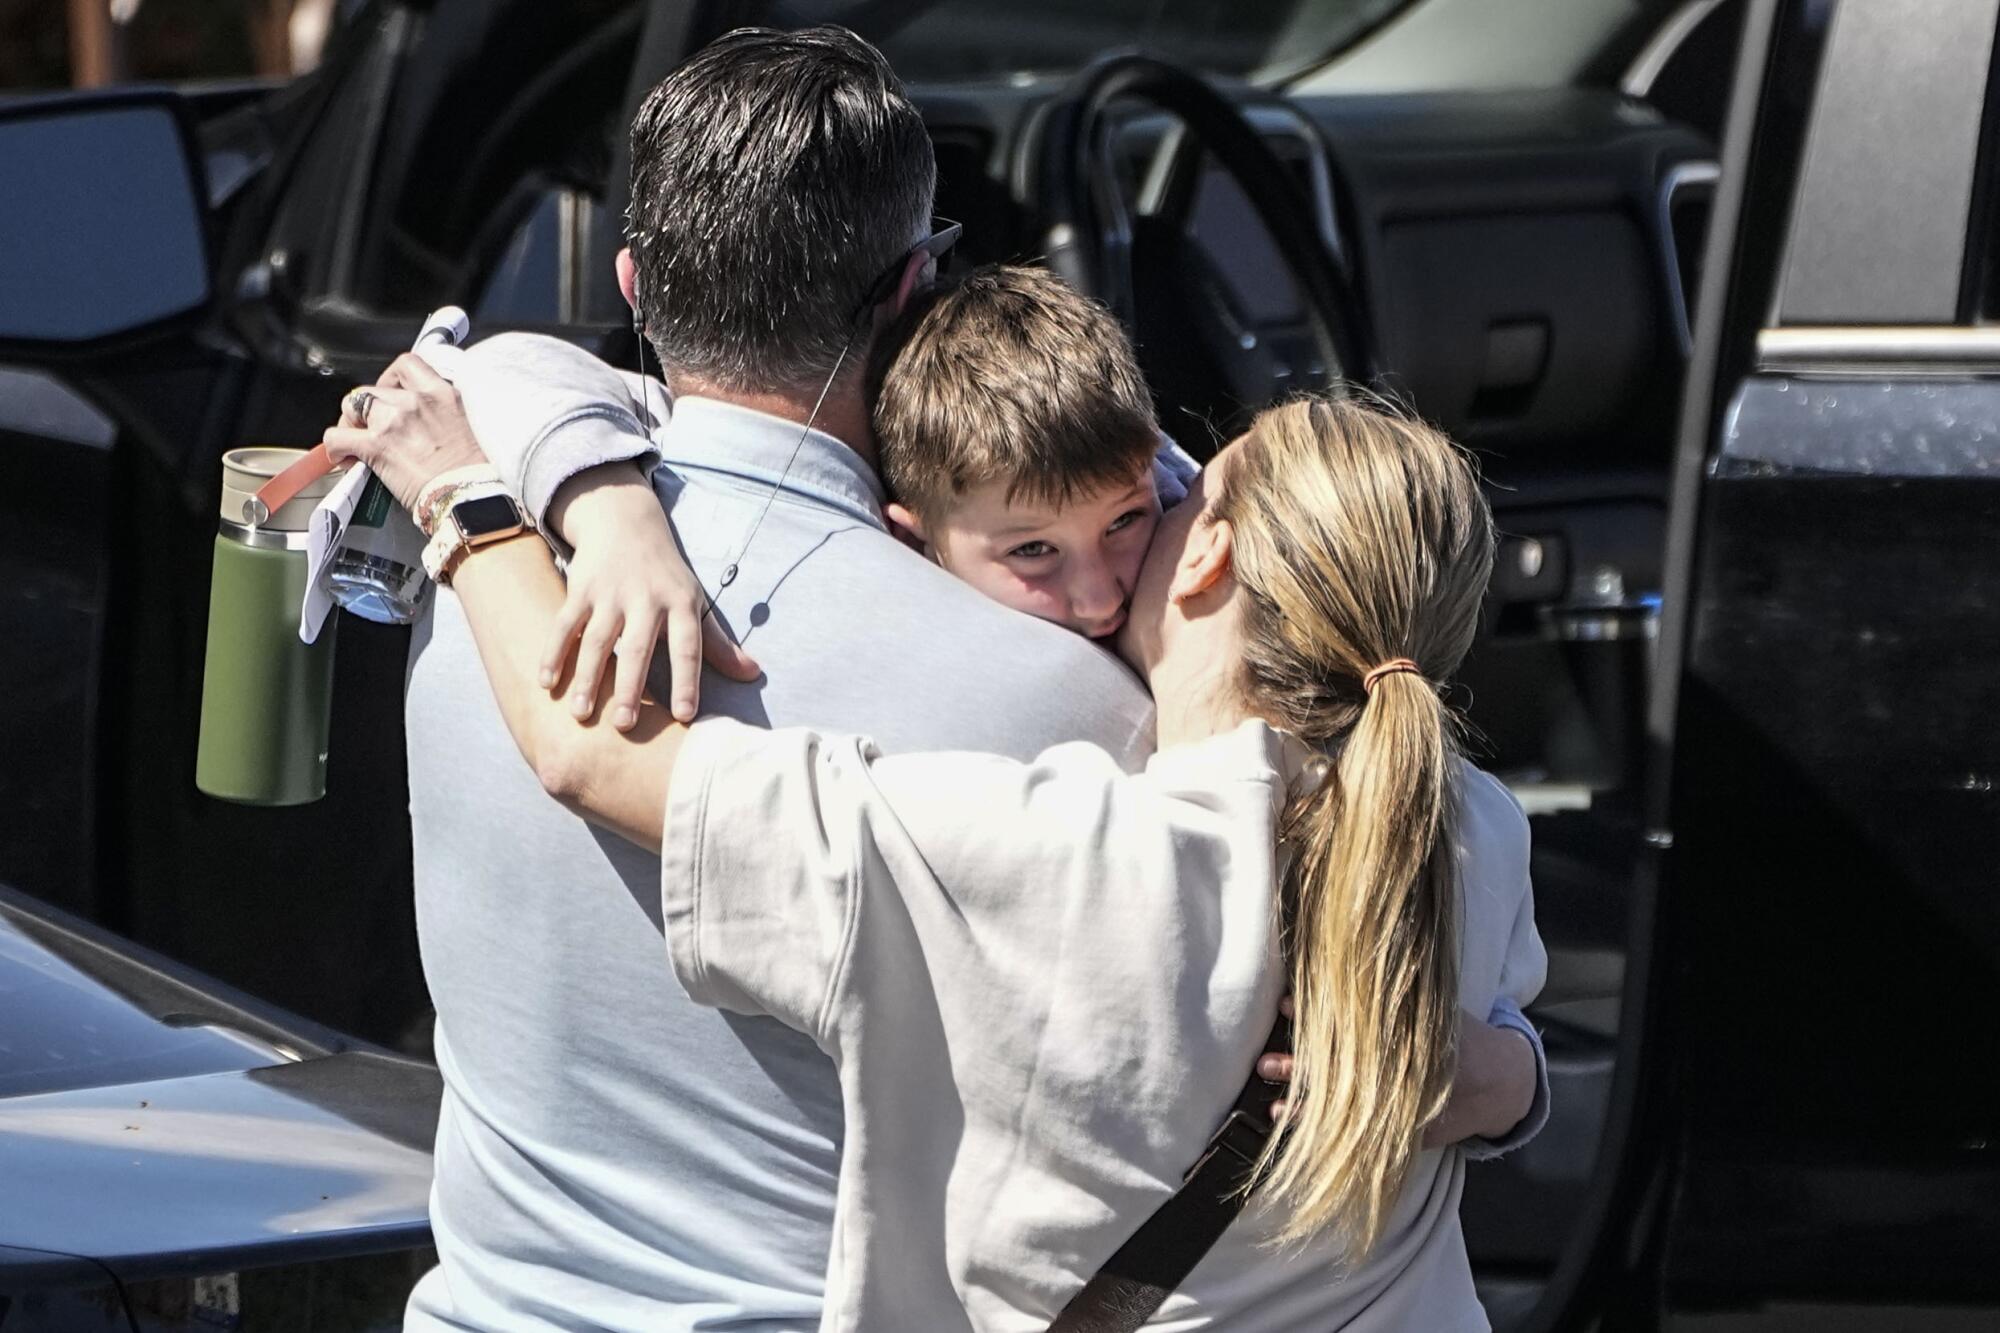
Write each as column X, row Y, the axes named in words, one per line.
column 102, row 228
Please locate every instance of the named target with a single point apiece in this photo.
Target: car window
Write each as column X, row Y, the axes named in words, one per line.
column 929, row 40
column 540, row 277
column 502, row 107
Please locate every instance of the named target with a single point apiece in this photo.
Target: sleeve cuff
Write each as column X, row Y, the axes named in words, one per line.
column 1174, row 472
column 682, row 852
column 1507, row 1014
column 586, row 438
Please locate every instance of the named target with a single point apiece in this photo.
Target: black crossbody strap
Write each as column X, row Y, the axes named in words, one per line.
column 1121, row 1296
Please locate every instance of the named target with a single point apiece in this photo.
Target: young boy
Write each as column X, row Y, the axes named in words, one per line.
column 1017, row 439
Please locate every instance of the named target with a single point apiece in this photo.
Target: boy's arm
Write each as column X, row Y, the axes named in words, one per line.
column 546, row 412
column 572, row 437
column 1522, row 974
column 510, row 591
column 1500, row 1091
column 629, row 585
column 1499, row 1095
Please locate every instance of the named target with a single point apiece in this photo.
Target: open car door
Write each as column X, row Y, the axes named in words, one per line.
column 1808, row 1093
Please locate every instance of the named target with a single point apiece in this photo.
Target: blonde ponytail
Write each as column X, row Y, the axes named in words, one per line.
column 1373, row 941
column 1360, row 538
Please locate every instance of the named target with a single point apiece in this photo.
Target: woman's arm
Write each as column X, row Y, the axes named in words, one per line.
column 1495, row 1086
column 1495, row 1089
column 512, row 593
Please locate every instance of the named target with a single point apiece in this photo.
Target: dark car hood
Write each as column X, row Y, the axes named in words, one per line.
column 158, row 1125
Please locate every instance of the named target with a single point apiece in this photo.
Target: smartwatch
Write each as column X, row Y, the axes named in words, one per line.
column 476, row 514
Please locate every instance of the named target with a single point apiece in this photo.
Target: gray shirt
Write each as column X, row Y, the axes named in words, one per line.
column 611, row 1154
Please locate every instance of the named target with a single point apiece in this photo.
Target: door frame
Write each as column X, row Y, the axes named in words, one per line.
column 1619, row 1221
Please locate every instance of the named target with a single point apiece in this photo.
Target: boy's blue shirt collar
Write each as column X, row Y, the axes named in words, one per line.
column 707, row 435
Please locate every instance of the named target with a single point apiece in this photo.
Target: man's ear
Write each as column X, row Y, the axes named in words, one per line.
column 918, row 273
column 628, row 278
column 1207, row 558
column 903, row 520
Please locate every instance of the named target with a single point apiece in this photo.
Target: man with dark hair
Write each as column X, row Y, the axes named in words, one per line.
column 610, row 1154
column 773, row 179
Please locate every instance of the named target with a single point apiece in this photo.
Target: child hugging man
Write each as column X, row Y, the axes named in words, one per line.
column 1017, row 439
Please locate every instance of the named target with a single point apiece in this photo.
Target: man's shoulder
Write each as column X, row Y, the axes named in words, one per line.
column 910, row 594
column 971, row 622
column 1040, row 683
column 884, row 642
column 536, row 353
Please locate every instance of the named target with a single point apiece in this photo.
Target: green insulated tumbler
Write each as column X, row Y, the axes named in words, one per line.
column 266, row 697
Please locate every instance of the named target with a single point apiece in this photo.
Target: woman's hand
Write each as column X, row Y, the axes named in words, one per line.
column 629, row 587
column 1276, row 1066
column 409, row 427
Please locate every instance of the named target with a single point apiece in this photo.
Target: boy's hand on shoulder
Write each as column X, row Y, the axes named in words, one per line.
column 629, row 587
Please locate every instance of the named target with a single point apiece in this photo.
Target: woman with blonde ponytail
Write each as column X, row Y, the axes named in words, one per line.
column 1362, row 549
column 1043, row 984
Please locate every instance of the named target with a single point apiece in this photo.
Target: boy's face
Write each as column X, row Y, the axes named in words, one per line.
column 1075, row 565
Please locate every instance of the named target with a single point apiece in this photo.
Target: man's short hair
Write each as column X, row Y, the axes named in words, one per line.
column 774, row 176
column 1008, row 374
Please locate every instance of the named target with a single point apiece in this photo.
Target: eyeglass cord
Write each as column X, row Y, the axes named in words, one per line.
column 730, row 570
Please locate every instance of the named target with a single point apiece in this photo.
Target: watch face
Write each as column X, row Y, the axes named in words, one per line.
column 486, row 515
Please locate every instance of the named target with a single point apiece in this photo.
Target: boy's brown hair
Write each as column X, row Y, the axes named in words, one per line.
column 1008, row 374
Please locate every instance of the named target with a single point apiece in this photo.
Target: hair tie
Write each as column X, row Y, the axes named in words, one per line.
column 1389, row 668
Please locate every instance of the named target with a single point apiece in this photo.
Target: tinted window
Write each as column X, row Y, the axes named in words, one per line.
column 499, row 103
column 956, row 39
column 103, row 231
column 525, row 287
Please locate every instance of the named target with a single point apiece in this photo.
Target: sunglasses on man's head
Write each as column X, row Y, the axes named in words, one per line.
column 936, row 247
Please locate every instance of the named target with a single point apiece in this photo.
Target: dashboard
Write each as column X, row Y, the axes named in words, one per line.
column 1527, row 259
